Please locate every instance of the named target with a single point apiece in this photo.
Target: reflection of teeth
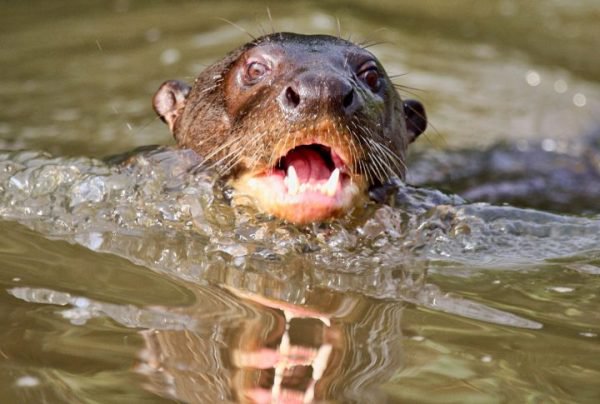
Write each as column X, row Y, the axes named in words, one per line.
column 292, row 181
column 331, row 186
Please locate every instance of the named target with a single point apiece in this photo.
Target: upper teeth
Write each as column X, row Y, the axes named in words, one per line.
column 294, row 187
column 331, row 186
column 292, row 181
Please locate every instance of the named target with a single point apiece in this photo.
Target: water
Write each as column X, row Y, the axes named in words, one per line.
column 139, row 282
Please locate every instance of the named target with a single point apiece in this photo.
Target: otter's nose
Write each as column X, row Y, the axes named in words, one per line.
column 312, row 93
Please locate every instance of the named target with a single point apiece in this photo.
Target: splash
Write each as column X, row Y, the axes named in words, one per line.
column 157, row 208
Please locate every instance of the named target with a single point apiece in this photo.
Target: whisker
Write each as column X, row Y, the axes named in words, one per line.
column 219, row 149
column 233, row 24
column 364, row 134
column 356, row 145
column 363, row 166
column 275, row 148
column 271, row 20
column 378, row 164
column 352, row 143
column 382, row 157
column 258, row 145
column 407, row 90
column 210, row 88
column 393, row 159
column 367, row 45
column 233, row 160
column 390, row 159
column 262, row 31
column 395, row 76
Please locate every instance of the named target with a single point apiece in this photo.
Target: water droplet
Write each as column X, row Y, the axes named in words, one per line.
column 533, row 78
column 560, row 86
column 562, row 289
column 579, row 100
column 81, row 302
column 170, row 56
column 27, row 381
column 549, row 145
column 91, row 190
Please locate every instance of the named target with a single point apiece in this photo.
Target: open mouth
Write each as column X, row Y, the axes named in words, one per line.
column 311, row 169
column 310, row 182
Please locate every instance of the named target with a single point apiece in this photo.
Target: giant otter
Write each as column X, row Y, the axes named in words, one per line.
column 303, row 124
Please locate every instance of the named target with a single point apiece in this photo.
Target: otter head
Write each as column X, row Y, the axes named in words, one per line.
column 303, row 124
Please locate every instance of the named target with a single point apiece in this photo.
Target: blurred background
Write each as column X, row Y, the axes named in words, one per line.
column 77, row 77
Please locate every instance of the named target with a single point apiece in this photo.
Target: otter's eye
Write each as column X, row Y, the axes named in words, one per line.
column 255, row 71
column 369, row 74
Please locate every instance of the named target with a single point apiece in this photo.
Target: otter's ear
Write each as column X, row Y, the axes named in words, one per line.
column 416, row 118
column 169, row 101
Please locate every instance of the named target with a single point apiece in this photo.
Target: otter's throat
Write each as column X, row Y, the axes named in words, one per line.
column 311, row 169
column 308, row 183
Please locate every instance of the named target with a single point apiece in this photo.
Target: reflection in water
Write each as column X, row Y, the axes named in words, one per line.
column 333, row 346
column 235, row 344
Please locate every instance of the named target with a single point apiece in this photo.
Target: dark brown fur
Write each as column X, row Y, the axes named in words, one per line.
column 206, row 123
column 312, row 89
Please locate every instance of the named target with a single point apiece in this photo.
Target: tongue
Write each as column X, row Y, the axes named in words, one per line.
column 309, row 165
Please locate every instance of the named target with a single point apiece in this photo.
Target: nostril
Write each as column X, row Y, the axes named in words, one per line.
column 348, row 99
column 292, row 97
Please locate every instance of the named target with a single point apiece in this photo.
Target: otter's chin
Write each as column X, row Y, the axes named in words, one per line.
column 310, row 183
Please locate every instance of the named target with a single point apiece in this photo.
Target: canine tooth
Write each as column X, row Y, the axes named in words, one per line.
column 331, row 186
column 291, row 181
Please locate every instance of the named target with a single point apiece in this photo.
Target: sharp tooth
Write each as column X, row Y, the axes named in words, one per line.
column 292, row 181
column 331, row 186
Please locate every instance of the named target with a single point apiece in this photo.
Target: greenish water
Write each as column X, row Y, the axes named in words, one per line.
column 140, row 284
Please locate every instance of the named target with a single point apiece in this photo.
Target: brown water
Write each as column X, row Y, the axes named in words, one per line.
column 140, row 284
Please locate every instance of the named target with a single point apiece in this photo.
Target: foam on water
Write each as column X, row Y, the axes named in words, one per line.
column 157, row 208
